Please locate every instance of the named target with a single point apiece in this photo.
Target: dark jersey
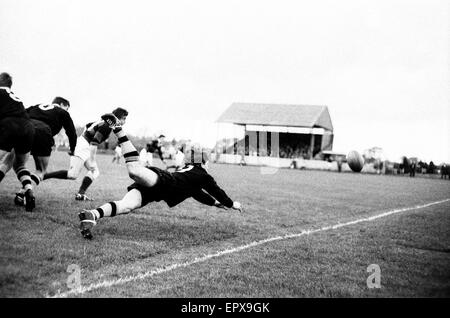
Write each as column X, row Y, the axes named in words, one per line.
column 97, row 132
column 10, row 105
column 155, row 146
column 191, row 181
column 56, row 118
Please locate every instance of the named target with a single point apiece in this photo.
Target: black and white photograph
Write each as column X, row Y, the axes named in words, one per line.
column 227, row 154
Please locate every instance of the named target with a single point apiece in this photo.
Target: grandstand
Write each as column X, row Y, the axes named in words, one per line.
column 277, row 130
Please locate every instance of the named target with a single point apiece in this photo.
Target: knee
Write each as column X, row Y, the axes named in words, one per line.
column 126, row 206
column 133, row 171
column 93, row 174
column 40, row 175
column 72, row 175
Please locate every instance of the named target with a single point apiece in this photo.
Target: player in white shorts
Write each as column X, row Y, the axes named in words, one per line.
column 85, row 152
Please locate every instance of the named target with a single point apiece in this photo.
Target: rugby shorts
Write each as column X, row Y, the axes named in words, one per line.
column 16, row 133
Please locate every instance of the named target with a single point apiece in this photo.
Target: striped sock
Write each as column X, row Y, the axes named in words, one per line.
column 23, row 174
column 35, row 178
column 106, row 210
column 85, row 184
column 129, row 151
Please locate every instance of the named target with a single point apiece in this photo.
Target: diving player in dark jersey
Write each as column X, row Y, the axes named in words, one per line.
column 16, row 133
column 94, row 134
column 154, row 184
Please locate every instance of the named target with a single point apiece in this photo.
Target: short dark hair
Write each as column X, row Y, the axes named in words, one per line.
column 120, row 112
column 60, row 101
column 162, row 136
column 5, row 80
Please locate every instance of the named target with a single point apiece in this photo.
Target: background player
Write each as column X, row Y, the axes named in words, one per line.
column 154, row 184
column 178, row 159
column 16, row 132
column 145, row 156
column 85, row 152
column 156, row 147
column 117, row 154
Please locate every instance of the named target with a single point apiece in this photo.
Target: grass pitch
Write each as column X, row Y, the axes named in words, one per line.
column 412, row 248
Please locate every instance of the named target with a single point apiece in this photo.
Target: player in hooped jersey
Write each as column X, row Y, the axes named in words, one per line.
column 154, row 184
column 16, row 133
column 85, row 152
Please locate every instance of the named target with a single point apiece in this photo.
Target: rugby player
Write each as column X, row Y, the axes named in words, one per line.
column 154, row 184
column 16, row 133
column 178, row 159
column 85, row 151
column 155, row 146
column 48, row 120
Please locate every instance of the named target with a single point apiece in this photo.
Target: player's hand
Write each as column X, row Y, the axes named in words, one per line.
column 219, row 205
column 111, row 120
column 237, row 206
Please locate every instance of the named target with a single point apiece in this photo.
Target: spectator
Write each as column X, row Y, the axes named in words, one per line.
column 412, row 171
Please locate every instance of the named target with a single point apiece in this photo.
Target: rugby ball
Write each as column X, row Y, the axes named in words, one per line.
column 355, row 161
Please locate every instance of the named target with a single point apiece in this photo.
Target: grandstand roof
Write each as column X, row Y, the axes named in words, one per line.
column 277, row 115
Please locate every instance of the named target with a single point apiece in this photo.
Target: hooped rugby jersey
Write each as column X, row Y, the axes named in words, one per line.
column 97, row 132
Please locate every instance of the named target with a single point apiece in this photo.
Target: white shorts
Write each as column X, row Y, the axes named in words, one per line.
column 82, row 149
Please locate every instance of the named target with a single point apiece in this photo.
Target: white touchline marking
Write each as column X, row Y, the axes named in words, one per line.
column 106, row 284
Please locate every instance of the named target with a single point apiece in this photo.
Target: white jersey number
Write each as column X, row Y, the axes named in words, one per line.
column 46, row 107
column 185, row 169
column 11, row 94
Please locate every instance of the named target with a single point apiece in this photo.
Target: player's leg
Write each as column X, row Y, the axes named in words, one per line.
column 24, row 176
column 77, row 160
column 88, row 218
column 131, row 201
column 41, row 163
column 7, row 131
column 93, row 173
column 6, row 162
column 76, row 164
column 22, row 148
column 3, row 168
column 41, row 149
column 136, row 171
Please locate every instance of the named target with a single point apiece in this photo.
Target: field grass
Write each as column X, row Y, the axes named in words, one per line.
column 412, row 248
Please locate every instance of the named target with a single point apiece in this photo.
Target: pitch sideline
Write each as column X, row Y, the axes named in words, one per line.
column 106, row 284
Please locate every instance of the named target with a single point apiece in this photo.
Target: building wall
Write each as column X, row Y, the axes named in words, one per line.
column 327, row 141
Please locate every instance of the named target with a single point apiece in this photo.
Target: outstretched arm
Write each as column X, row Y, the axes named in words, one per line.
column 71, row 133
column 214, row 190
column 203, row 197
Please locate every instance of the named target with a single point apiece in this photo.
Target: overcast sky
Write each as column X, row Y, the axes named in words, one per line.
column 382, row 67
